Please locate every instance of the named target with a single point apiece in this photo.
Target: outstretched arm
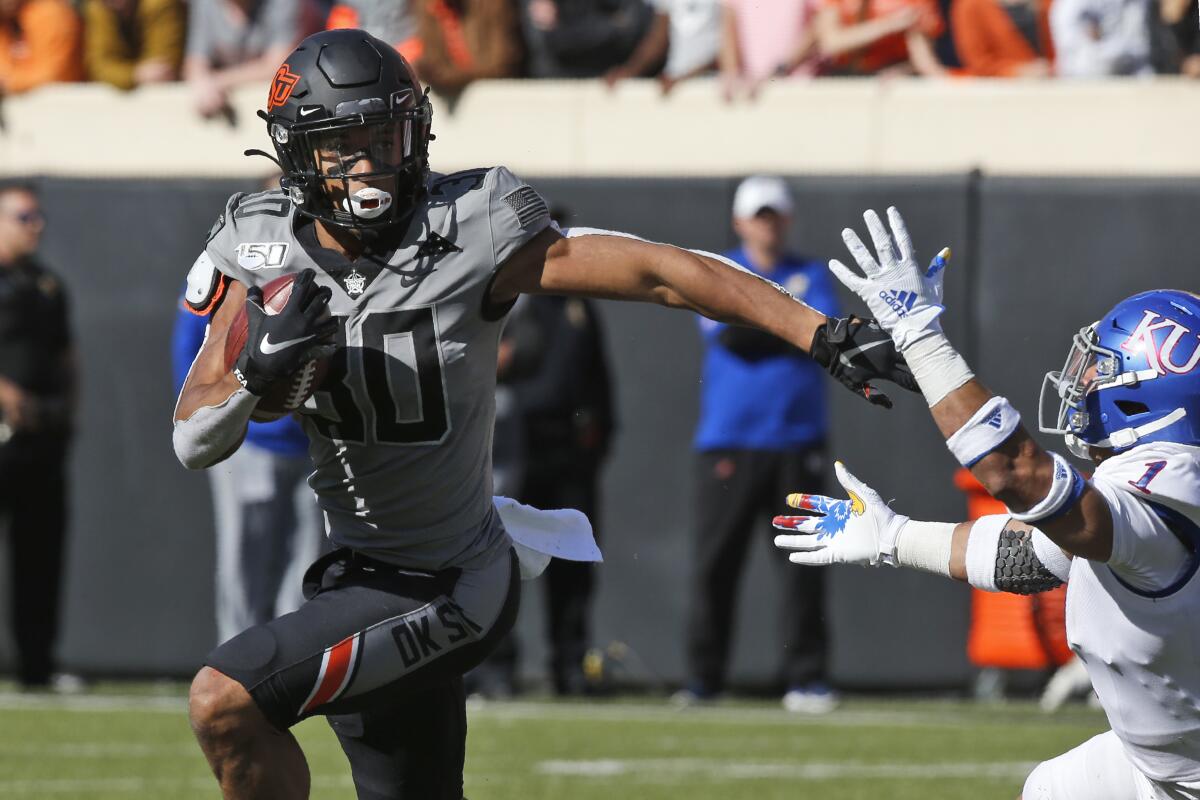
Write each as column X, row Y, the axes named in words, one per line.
column 626, row 268
column 1022, row 475
column 994, row 553
column 983, row 431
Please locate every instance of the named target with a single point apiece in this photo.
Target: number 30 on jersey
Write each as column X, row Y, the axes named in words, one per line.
column 385, row 383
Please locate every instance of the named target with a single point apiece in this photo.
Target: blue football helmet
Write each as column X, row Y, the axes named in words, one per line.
column 1133, row 377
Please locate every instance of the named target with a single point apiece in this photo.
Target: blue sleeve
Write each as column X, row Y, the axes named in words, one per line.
column 186, row 338
column 821, row 292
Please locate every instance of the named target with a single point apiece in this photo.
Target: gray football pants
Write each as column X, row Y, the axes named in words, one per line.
column 269, row 529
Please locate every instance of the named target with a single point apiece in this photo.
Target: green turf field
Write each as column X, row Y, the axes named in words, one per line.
column 126, row 742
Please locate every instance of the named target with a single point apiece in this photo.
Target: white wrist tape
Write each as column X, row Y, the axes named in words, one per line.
column 212, row 431
column 917, row 325
column 937, row 366
column 981, row 551
column 1065, row 490
column 987, row 429
column 925, row 546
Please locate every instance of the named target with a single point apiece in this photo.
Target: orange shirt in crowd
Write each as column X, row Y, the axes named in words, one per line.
column 345, row 16
column 466, row 41
column 990, row 44
column 48, row 49
column 890, row 50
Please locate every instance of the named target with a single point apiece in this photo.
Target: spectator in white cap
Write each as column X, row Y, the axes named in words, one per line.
column 763, row 423
column 763, row 193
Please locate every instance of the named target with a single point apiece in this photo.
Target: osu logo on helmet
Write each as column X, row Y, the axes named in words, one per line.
column 281, row 88
column 349, row 121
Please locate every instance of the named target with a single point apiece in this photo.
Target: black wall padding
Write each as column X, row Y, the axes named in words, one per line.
column 1035, row 260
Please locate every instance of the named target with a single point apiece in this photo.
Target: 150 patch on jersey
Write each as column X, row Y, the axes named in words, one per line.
column 261, row 255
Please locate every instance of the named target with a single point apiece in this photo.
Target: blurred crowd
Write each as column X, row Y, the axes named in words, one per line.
column 216, row 45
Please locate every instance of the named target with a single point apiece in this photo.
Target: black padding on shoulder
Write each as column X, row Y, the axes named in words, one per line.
column 1018, row 569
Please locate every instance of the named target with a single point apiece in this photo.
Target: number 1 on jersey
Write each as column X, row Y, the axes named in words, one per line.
column 1152, row 470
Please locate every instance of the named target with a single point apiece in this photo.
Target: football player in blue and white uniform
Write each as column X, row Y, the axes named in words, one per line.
column 1126, row 541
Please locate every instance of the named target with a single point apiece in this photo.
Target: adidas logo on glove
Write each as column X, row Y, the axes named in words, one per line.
column 900, row 302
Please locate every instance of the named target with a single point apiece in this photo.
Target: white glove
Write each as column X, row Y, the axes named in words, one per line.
column 860, row 530
column 904, row 298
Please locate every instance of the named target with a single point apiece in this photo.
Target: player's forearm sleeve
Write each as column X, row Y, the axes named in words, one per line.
column 1001, row 558
column 1052, row 556
column 212, row 431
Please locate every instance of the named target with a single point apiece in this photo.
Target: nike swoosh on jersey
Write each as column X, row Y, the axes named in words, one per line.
column 846, row 356
column 269, row 348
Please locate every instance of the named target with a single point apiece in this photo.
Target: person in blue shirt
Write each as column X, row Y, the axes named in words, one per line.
column 762, row 429
column 269, row 528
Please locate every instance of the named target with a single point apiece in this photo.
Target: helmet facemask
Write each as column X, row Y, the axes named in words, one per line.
column 359, row 170
column 1115, row 421
column 1089, row 367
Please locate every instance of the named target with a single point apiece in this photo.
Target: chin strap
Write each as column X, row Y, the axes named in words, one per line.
column 256, row 152
column 1127, row 437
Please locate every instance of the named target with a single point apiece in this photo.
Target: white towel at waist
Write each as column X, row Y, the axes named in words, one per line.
column 541, row 535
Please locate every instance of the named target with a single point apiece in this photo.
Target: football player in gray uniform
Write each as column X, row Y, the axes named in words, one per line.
column 403, row 278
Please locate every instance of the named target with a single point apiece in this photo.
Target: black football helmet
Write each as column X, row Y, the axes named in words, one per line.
column 345, row 107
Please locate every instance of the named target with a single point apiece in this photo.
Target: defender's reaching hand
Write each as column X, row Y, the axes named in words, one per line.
column 858, row 530
column 906, row 299
column 856, row 351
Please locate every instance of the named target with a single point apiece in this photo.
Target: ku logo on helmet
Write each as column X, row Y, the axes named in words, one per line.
column 1161, row 357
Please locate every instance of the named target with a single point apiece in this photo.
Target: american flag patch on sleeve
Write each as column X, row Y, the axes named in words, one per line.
column 527, row 204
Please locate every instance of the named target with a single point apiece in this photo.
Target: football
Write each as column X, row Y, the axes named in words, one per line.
column 285, row 395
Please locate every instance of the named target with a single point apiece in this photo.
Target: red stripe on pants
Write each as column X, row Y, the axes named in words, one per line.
column 335, row 673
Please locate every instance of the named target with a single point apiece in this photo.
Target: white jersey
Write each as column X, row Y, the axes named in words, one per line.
column 1135, row 620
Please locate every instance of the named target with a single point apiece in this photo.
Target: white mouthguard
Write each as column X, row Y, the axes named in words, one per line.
column 368, row 202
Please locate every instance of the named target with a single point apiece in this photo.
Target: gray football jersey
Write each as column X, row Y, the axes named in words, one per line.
column 401, row 430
